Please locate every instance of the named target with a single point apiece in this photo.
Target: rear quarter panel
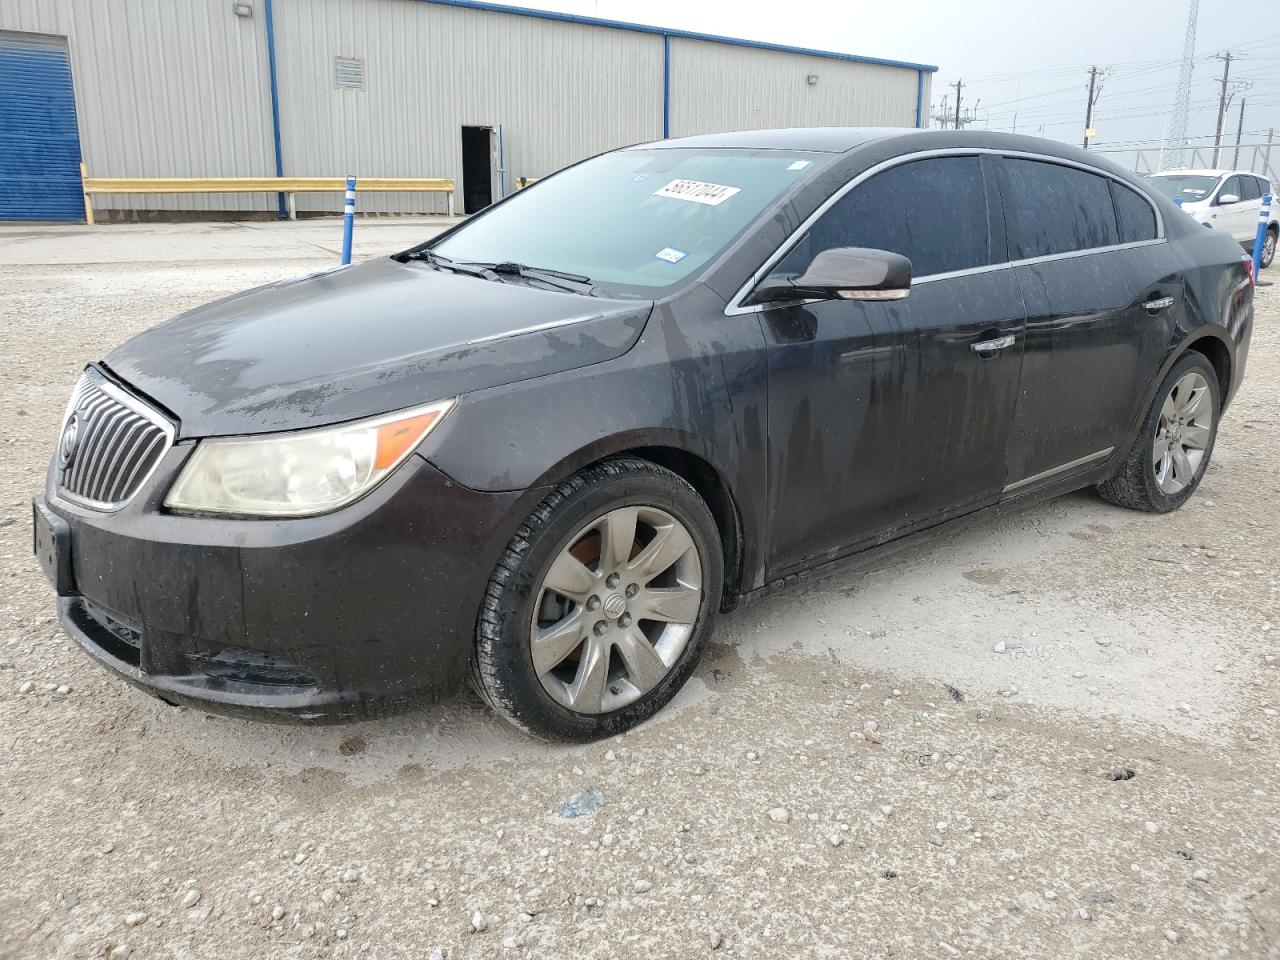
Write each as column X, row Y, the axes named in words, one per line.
column 1218, row 300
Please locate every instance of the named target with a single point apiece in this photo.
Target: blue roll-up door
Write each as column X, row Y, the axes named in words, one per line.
column 39, row 139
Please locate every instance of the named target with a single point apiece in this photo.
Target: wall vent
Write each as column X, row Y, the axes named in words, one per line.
column 348, row 72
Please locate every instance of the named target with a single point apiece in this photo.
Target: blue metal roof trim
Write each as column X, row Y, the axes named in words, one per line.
column 684, row 34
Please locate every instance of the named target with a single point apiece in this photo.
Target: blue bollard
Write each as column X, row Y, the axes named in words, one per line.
column 1264, row 218
column 348, row 219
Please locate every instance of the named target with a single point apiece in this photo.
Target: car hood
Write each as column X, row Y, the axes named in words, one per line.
column 363, row 340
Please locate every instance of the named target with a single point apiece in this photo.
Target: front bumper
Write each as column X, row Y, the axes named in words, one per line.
column 356, row 614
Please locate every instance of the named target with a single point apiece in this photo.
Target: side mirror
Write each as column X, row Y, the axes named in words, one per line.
column 1225, row 198
column 846, row 273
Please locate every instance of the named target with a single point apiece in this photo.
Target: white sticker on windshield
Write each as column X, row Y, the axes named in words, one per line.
column 799, row 165
column 670, row 254
column 695, row 191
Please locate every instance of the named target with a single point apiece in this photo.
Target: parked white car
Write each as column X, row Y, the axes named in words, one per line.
column 1225, row 200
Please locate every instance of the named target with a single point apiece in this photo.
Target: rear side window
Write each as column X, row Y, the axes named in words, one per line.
column 1249, row 188
column 934, row 212
column 1057, row 209
column 1265, row 187
column 1134, row 215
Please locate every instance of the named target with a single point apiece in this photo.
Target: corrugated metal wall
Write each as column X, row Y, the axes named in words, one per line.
column 169, row 88
column 717, row 87
column 163, row 89
column 561, row 91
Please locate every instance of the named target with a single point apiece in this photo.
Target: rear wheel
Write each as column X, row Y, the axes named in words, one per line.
column 1269, row 247
column 599, row 609
column 1172, row 450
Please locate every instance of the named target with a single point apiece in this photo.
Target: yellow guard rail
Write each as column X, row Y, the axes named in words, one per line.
column 286, row 185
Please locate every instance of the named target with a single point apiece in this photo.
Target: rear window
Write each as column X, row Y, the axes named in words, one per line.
column 1057, row 209
column 1134, row 215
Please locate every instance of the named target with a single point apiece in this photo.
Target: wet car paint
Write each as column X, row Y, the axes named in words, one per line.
column 815, row 430
column 361, row 341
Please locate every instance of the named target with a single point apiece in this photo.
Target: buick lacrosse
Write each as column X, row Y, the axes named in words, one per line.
column 543, row 450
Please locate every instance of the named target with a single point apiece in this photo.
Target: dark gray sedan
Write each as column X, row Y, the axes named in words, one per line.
column 544, row 449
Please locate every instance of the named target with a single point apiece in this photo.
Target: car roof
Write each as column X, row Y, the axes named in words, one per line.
column 810, row 139
column 845, row 139
column 1203, row 173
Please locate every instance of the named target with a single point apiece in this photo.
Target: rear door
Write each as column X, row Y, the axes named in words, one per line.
column 884, row 416
column 1102, row 292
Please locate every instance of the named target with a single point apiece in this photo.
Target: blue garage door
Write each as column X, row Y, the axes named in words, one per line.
column 39, row 140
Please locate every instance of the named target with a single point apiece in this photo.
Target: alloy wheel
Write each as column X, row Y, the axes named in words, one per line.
column 1268, row 248
column 1183, row 433
column 616, row 609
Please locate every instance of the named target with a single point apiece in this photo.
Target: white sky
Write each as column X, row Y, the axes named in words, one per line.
column 1024, row 56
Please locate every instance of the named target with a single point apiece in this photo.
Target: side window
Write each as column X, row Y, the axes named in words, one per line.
column 1249, row 186
column 1134, row 215
column 1265, row 186
column 1232, row 186
column 1057, row 209
column 934, row 212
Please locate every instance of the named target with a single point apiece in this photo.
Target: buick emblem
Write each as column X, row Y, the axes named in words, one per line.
column 70, row 437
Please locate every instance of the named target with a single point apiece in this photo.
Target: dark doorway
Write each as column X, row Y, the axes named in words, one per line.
column 477, row 168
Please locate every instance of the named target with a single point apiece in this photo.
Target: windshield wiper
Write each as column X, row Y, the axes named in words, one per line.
column 573, row 282
column 444, row 263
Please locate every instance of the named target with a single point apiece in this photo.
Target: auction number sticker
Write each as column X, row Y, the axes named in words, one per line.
column 695, row 191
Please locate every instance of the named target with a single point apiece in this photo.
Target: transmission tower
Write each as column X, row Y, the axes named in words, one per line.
column 1182, row 96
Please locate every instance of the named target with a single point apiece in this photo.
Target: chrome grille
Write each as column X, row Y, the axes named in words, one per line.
column 109, row 445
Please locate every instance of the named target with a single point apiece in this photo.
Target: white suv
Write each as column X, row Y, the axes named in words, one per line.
column 1226, row 200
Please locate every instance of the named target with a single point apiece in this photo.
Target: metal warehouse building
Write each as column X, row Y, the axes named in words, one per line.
column 482, row 94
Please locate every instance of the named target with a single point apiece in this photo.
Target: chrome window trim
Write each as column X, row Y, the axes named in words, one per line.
column 736, row 307
column 137, row 406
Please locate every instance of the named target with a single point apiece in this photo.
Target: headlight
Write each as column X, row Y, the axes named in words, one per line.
column 300, row 474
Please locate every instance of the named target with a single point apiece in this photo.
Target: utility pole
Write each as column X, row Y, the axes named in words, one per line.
column 1235, row 163
column 1226, row 59
column 1093, row 98
column 959, row 85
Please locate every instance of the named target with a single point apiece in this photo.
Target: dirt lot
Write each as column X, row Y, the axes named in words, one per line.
column 1010, row 666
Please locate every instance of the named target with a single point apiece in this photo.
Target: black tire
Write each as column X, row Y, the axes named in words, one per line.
column 1269, row 247
column 502, row 666
column 1134, row 485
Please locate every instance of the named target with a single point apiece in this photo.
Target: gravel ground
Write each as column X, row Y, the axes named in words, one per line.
column 911, row 759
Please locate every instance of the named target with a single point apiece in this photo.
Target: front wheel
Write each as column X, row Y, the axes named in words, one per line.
column 1172, row 450
column 598, row 611
column 1268, row 248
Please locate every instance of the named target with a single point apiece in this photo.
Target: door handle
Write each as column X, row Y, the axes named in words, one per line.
column 991, row 346
column 1155, row 306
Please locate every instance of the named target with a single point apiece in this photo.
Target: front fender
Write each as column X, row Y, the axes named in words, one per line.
column 695, row 382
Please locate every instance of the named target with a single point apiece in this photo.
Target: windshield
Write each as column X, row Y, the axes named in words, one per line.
column 1188, row 187
column 637, row 222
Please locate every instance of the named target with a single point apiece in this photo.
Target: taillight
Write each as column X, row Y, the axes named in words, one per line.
column 1248, row 267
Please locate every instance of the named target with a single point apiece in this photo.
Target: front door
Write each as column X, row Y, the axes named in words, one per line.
column 1102, row 293
column 886, row 417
